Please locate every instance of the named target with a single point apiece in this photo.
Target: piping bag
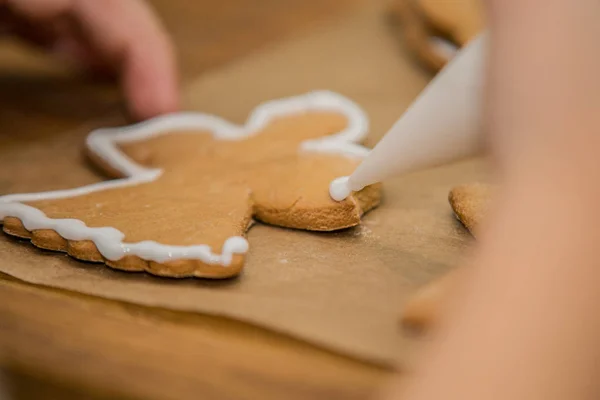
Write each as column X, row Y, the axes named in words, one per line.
column 443, row 124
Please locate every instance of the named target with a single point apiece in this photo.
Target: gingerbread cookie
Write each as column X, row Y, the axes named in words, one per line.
column 191, row 184
column 470, row 203
column 434, row 30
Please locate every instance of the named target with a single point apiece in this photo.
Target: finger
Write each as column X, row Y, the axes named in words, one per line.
column 58, row 34
column 37, row 31
column 40, row 9
column 129, row 36
column 124, row 35
column 70, row 48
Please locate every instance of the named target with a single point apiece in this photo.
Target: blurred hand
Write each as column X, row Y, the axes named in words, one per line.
column 524, row 324
column 121, row 37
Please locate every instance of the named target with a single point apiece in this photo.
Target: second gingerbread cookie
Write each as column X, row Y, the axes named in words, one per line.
column 470, row 203
column 190, row 185
column 434, row 30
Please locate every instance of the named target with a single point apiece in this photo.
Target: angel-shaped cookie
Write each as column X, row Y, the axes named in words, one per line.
column 189, row 186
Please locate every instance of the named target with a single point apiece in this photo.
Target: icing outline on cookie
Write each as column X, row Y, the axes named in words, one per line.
column 339, row 188
column 104, row 144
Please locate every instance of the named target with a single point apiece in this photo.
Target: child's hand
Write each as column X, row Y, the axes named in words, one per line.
column 119, row 36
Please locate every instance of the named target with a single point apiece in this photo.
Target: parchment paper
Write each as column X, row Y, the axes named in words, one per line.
column 342, row 290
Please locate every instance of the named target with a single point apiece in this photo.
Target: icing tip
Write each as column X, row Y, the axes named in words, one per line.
column 339, row 189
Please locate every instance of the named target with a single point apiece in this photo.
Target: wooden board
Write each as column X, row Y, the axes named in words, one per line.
column 114, row 349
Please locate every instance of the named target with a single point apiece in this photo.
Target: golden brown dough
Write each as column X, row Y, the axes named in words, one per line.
column 470, row 203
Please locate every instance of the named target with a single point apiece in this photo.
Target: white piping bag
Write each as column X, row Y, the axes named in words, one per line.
column 443, row 124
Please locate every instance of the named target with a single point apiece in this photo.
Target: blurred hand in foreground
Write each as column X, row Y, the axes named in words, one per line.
column 121, row 37
column 524, row 324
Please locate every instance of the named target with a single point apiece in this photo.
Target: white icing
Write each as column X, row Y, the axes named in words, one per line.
column 145, row 176
column 339, row 189
column 104, row 144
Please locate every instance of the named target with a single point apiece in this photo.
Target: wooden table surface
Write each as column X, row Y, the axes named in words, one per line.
column 58, row 344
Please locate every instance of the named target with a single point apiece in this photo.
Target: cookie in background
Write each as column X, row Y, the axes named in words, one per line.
column 434, row 30
column 469, row 203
